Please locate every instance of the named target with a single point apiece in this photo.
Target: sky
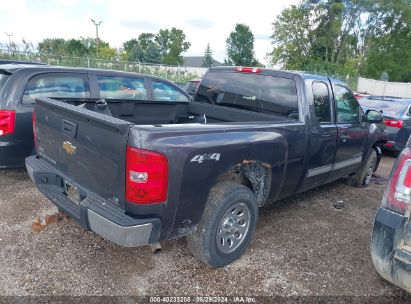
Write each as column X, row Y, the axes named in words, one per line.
column 203, row 22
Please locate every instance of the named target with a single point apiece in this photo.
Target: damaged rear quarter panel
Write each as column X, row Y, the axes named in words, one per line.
column 261, row 154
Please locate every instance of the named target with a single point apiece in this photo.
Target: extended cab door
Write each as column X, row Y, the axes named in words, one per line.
column 323, row 137
column 352, row 132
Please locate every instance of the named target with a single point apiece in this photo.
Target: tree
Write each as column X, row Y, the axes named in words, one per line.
column 163, row 40
column 292, row 43
column 389, row 47
column 75, row 47
column 208, row 57
column 107, row 53
column 345, row 37
column 323, row 35
column 172, row 44
column 240, row 47
column 145, row 49
column 165, row 47
column 152, row 54
column 54, row 46
column 132, row 48
column 149, row 48
column 81, row 47
column 90, row 45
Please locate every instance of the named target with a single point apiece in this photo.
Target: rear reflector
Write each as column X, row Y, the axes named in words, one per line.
column 249, row 70
column 7, row 122
column 398, row 193
column 394, row 123
column 146, row 176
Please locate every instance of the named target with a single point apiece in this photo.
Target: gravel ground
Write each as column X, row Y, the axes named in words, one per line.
column 316, row 243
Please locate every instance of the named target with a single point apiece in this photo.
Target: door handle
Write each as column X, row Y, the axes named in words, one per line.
column 344, row 137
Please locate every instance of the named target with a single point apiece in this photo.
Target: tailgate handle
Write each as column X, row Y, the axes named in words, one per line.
column 69, row 128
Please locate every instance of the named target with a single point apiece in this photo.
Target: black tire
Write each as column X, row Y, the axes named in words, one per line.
column 203, row 243
column 362, row 178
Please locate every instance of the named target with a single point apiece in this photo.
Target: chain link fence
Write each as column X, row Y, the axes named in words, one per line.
column 177, row 74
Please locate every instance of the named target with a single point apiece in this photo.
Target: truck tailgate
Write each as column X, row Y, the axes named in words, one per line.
column 86, row 147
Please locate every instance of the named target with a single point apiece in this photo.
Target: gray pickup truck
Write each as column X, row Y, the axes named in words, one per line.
column 139, row 172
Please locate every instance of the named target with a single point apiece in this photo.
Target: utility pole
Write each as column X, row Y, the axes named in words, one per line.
column 9, row 35
column 97, row 24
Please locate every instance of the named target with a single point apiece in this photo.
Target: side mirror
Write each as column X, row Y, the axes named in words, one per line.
column 373, row 116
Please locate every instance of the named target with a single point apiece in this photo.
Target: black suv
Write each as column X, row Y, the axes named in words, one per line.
column 20, row 85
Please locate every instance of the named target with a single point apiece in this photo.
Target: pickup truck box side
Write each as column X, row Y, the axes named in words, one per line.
column 214, row 150
column 258, row 152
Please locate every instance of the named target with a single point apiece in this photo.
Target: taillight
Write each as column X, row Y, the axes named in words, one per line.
column 7, row 121
column 146, row 176
column 398, row 194
column 249, row 70
column 394, row 123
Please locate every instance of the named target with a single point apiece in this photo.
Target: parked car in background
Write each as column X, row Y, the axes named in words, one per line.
column 149, row 171
column 358, row 95
column 380, row 133
column 397, row 118
column 191, row 86
column 20, row 85
column 391, row 236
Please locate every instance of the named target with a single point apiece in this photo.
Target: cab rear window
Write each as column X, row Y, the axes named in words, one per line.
column 249, row 91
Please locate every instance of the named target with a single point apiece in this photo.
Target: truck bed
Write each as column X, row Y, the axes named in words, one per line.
column 152, row 112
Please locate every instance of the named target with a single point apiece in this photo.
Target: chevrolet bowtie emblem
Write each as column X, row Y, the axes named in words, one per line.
column 69, row 148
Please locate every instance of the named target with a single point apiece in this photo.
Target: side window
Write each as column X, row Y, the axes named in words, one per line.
column 165, row 92
column 321, row 97
column 56, row 85
column 347, row 107
column 122, row 88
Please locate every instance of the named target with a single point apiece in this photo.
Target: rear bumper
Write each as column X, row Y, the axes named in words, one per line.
column 93, row 212
column 391, row 258
column 393, row 146
column 397, row 138
column 12, row 154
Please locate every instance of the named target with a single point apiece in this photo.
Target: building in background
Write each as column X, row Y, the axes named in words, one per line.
column 197, row 62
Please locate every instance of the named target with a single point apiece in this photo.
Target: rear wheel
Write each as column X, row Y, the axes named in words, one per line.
column 362, row 178
column 227, row 225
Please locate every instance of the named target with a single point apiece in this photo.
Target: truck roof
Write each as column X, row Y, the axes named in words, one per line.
column 32, row 68
column 286, row 73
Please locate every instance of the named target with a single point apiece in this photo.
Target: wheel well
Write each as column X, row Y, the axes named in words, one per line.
column 253, row 174
column 377, row 147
